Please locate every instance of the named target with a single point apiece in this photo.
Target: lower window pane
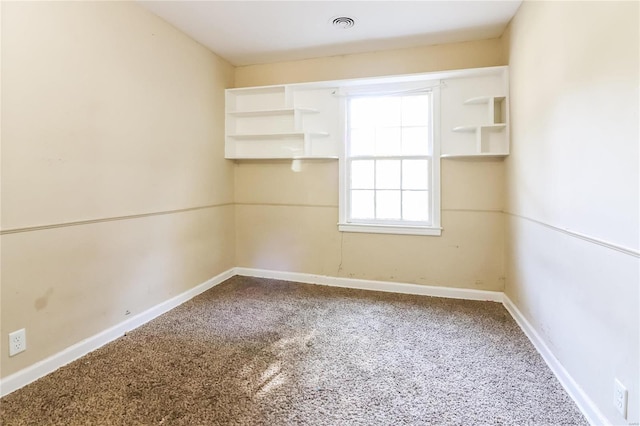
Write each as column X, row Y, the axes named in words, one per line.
column 388, row 174
column 362, row 205
column 415, row 205
column 388, row 204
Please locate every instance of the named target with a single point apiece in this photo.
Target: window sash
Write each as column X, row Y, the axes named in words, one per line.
column 400, row 189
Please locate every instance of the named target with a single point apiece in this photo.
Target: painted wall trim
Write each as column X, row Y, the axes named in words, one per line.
column 387, row 286
column 473, row 210
column 64, row 357
column 593, row 415
column 324, row 206
column 336, row 206
column 107, row 219
column 613, row 246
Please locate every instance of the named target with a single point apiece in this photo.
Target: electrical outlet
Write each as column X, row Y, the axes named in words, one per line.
column 620, row 398
column 17, row 342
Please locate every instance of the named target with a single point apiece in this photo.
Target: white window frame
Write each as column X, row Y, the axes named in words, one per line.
column 388, row 226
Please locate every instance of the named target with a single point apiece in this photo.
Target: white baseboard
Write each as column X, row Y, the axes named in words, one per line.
column 585, row 404
column 52, row 363
column 387, row 286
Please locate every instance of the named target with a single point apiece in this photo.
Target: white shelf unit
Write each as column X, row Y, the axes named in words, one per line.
column 472, row 156
column 284, row 121
column 274, row 111
column 475, row 116
column 491, row 140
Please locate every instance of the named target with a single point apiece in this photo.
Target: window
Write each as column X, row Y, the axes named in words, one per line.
column 390, row 173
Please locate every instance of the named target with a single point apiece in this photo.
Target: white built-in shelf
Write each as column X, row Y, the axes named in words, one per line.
column 284, row 121
column 285, row 157
column 498, row 155
column 491, row 134
column 483, row 100
column 472, row 129
column 268, row 112
column 465, row 129
column 278, row 135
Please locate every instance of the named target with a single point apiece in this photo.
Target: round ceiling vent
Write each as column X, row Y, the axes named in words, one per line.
column 343, row 22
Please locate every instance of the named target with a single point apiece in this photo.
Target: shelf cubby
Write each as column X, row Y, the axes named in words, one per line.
column 491, row 139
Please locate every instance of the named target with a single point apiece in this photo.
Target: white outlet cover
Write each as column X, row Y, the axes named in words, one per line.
column 17, row 342
column 620, row 398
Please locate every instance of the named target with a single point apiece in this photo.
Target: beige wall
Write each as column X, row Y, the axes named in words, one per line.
column 482, row 53
column 573, row 189
column 287, row 220
column 115, row 193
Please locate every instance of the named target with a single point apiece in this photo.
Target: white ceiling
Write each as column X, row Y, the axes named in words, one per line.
column 254, row 32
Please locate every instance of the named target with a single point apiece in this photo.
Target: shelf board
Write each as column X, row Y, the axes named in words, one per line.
column 497, row 126
column 467, row 129
column 476, row 155
column 275, row 111
column 483, row 100
column 296, row 157
column 260, row 90
column 471, row 129
column 283, row 135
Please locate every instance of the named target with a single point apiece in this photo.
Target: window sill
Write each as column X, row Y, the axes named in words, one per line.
column 390, row 229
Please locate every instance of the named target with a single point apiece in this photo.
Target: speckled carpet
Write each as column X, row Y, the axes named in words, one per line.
column 262, row 352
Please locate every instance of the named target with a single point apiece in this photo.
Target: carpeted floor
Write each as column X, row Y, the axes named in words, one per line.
column 262, row 352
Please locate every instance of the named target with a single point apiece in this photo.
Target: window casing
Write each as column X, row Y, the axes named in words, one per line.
column 390, row 170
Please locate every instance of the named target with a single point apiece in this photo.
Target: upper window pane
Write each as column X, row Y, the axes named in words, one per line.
column 389, row 111
column 415, row 110
column 362, row 141
column 362, row 174
column 373, row 111
column 415, row 141
column 388, row 141
column 362, row 113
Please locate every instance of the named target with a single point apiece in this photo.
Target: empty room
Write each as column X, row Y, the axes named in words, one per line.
column 320, row 213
